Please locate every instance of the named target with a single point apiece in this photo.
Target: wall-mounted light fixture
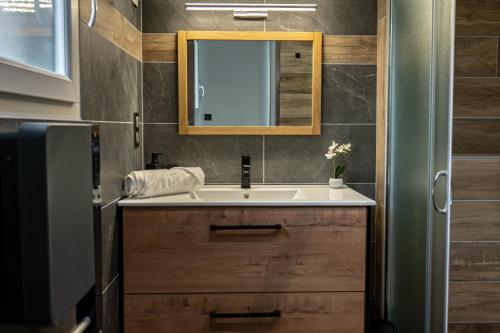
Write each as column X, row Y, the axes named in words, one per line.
column 251, row 10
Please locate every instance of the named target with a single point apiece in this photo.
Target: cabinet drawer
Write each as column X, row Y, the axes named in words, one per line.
column 174, row 250
column 299, row 313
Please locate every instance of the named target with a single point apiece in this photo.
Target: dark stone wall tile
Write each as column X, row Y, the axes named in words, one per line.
column 365, row 189
column 334, row 17
column 218, row 156
column 349, row 94
column 109, row 244
column 118, row 158
column 160, row 93
column 300, row 159
column 132, row 13
column 113, row 82
column 171, row 16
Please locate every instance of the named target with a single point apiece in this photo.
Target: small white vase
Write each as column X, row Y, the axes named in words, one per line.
column 336, row 182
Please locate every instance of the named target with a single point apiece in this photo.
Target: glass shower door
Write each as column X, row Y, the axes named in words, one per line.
column 419, row 164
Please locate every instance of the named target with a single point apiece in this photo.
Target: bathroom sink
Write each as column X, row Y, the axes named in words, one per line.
column 238, row 195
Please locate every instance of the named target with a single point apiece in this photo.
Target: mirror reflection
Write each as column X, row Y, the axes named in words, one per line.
column 249, row 83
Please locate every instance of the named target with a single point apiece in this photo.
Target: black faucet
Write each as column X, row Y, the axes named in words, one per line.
column 245, row 172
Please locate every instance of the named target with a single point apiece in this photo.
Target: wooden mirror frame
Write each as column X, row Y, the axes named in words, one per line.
column 184, row 129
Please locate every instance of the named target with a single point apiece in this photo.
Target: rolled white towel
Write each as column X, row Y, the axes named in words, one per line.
column 153, row 183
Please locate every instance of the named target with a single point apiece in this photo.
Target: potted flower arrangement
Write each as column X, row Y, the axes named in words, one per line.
column 335, row 150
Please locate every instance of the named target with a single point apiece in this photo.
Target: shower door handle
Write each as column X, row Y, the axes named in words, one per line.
column 439, row 210
column 93, row 13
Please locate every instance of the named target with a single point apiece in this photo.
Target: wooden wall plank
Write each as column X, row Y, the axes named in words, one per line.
column 477, row 97
column 476, row 136
column 475, row 261
column 361, row 50
column 475, row 221
column 113, row 26
column 476, row 56
column 474, row 328
column 358, row 50
column 474, row 302
column 159, row 47
column 478, row 18
column 476, row 179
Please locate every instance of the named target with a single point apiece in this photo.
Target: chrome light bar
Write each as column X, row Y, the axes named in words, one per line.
column 250, row 10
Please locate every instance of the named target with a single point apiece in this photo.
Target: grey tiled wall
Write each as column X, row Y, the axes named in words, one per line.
column 348, row 107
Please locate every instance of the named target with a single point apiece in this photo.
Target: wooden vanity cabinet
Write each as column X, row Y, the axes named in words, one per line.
column 244, row 269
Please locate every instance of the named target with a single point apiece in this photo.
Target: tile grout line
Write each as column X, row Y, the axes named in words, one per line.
column 477, row 77
column 475, row 118
column 109, row 284
column 476, row 200
column 475, row 241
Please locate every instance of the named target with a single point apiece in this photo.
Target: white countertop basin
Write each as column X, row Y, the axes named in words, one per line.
column 258, row 195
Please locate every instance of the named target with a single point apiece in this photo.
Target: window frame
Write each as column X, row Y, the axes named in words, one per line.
column 29, row 92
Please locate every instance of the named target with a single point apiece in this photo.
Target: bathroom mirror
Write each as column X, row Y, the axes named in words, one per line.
column 252, row 83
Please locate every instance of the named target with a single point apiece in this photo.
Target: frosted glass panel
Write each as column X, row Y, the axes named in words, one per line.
column 409, row 163
column 420, row 118
column 33, row 33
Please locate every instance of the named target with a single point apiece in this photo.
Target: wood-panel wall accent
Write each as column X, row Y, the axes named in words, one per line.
column 477, row 97
column 159, row 47
column 476, row 179
column 474, row 328
column 478, row 18
column 380, row 159
column 476, row 136
column 476, row 56
column 474, row 302
column 474, row 261
column 357, row 50
column 113, row 26
column 475, row 221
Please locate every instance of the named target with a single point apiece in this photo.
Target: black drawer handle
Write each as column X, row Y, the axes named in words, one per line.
column 272, row 314
column 215, row 227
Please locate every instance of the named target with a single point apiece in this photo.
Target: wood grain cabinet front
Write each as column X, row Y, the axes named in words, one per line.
column 181, row 263
column 298, row 313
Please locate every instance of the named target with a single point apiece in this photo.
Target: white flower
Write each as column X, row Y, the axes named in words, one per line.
column 329, row 155
column 337, row 149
